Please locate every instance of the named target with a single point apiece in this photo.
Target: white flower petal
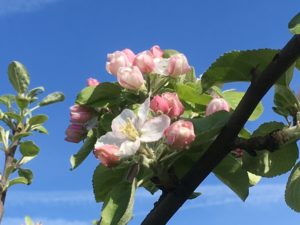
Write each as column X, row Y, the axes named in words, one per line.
column 109, row 139
column 120, row 121
column 161, row 66
column 128, row 148
column 143, row 113
column 154, row 128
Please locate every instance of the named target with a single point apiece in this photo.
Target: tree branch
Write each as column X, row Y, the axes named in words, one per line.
column 166, row 207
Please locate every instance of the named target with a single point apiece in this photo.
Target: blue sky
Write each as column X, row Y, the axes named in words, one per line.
column 63, row 42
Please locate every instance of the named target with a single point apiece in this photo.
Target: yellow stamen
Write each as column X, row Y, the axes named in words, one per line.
column 130, row 131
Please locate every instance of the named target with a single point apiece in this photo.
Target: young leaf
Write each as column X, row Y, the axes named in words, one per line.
column 233, row 98
column 192, row 95
column 104, row 179
column 14, row 116
column 28, row 221
column 83, row 152
column 26, row 173
column 231, row 173
column 35, row 91
column 292, row 191
column 22, row 102
column 18, row 180
column 39, row 128
column 7, row 100
column 270, row 164
column 118, row 205
column 28, row 148
column 237, row 66
column 208, row 127
column 18, row 77
column 100, row 95
column 21, row 135
column 38, row 119
column 52, row 98
column 294, row 24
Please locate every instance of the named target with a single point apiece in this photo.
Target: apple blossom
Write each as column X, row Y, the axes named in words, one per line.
column 178, row 65
column 168, row 103
column 144, row 61
column 156, row 51
column 75, row 133
column 92, row 82
column 80, row 114
column 118, row 59
column 180, row 134
column 106, row 154
column 129, row 130
column 215, row 105
column 130, row 78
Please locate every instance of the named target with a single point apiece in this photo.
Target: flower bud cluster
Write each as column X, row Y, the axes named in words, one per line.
column 130, row 67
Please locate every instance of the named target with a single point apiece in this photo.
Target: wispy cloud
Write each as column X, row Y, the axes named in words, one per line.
column 46, row 221
column 16, row 6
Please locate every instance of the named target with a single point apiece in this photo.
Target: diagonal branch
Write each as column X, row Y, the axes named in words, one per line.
column 167, row 205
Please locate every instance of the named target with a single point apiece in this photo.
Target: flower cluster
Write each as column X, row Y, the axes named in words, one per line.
column 130, row 67
column 79, row 118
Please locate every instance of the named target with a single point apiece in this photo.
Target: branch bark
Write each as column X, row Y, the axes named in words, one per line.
column 168, row 204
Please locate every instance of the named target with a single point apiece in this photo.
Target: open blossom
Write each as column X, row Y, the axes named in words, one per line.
column 178, row 65
column 106, row 154
column 215, row 105
column 129, row 130
column 168, row 103
column 119, row 59
column 91, row 82
column 156, row 51
column 180, row 134
column 144, row 61
column 130, row 78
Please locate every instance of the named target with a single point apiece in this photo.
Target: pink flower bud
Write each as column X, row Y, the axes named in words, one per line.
column 106, row 154
column 144, row 61
column 178, row 65
column 130, row 78
column 130, row 54
column 159, row 105
column 75, row 133
column 80, row 114
column 215, row 105
column 116, row 60
column 175, row 106
column 91, row 82
column 180, row 134
column 156, row 51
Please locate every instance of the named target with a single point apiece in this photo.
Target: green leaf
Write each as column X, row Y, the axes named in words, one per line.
column 7, row 100
column 35, row 92
column 21, row 135
column 292, row 191
column 18, row 180
column 191, row 94
column 285, row 101
column 237, row 66
column 27, row 174
column 18, row 76
column 294, row 24
column 169, row 52
column 270, row 164
column 118, row 205
column 104, row 179
column 83, row 152
column 28, row 148
column 22, row 102
column 39, row 128
column 190, row 76
column 14, row 116
column 100, row 95
column 26, row 159
column 28, row 221
column 233, row 98
column 231, row 173
column 37, row 120
column 52, row 98
column 253, row 179
column 208, row 127
column 195, row 195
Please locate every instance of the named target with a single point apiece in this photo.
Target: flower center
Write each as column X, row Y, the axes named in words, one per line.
column 130, row 131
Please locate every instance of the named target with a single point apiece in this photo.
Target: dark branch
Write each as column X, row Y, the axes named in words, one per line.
column 167, row 206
